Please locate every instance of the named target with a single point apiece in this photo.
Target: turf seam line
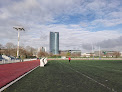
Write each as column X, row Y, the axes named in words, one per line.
column 104, row 68
column 6, row 86
column 111, row 89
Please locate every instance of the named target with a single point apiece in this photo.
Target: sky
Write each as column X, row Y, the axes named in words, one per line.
column 82, row 24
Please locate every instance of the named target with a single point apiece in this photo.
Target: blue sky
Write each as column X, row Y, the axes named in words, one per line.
column 80, row 23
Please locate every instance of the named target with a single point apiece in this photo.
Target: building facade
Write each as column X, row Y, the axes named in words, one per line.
column 54, row 43
column 72, row 52
column 43, row 49
column 107, row 53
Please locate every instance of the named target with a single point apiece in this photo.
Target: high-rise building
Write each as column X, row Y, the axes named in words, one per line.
column 54, row 43
column 43, row 49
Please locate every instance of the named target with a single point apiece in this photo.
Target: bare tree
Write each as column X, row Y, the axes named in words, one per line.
column 10, row 45
column 31, row 50
column 42, row 54
column 117, row 54
column 1, row 46
column 10, row 49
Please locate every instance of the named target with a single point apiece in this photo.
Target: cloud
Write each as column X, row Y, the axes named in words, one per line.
column 39, row 17
column 76, row 37
column 111, row 43
column 4, row 14
column 107, row 22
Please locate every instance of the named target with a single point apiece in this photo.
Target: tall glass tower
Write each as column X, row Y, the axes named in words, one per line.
column 54, row 43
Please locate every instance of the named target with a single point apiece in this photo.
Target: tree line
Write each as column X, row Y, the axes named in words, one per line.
column 10, row 49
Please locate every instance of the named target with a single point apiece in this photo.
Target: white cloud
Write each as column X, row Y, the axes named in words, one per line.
column 106, row 22
column 38, row 16
column 77, row 36
column 4, row 13
column 96, row 5
column 109, row 44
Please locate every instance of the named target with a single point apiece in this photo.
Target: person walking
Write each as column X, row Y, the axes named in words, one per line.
column 69, row 59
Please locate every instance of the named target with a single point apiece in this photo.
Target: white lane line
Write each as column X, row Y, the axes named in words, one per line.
column 6, row 86
column 111, row 89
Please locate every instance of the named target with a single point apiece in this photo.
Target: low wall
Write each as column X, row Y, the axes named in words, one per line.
column 86, row 59
column 30, row 59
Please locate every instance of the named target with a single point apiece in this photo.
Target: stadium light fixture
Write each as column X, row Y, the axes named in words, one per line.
column 17, row 28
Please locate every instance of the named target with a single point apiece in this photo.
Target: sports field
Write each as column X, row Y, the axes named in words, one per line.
column 77, row 76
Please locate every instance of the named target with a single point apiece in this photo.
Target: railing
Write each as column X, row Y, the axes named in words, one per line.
column 4, row 61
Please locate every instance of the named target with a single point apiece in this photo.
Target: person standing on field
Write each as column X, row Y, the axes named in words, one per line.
column 69, row 59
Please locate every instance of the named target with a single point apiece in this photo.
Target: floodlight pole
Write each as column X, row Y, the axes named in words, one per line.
column 18, row 29
column 18, row 45
column 93, row 51
column 99, row 52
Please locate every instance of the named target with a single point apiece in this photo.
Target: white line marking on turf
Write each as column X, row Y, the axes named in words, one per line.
column 6, row 86
column 111, row 89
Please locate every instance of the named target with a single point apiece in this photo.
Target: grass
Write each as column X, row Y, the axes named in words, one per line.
column 78, row 76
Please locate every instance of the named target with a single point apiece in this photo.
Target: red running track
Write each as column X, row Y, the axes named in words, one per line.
column 9, row 72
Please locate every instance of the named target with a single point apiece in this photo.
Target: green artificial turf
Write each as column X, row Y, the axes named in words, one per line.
column 78, row 76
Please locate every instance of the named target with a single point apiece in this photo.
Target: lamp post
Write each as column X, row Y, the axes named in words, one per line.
column 99, row 52
column 93, row 50
column 18, row 29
